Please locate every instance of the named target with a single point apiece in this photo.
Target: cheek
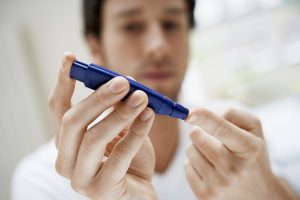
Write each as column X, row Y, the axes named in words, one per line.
column 179, row 52
column 121, row 53
column 180, row 47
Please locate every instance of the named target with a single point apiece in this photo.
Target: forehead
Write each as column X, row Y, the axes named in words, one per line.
column 126, row 8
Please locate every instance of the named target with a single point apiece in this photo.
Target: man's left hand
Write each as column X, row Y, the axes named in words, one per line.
column 228, row 159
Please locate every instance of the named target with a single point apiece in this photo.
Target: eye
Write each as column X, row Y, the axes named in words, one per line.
column 133, row 27
column 170, row 26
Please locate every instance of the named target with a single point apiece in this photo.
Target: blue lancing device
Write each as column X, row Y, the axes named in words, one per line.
column 94, row 76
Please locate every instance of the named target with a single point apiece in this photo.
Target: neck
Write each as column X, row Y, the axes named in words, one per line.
column 164, row 136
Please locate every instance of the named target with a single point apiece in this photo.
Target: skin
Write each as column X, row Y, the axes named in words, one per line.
column 109, row 160
column 115, row 159
column 227, row 158
column 144, row 37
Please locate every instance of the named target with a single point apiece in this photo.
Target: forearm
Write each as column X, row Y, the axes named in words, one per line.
column 288, row 192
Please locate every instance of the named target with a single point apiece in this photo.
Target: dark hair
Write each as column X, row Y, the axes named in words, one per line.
column 92, row 15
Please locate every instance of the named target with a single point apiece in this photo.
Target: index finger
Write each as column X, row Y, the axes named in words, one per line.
column 235, row 139
column 60, row 97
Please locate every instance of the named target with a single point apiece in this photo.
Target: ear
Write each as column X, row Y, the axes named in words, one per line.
column 95, row 49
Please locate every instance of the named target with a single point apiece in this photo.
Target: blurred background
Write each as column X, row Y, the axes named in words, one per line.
column 245, row 50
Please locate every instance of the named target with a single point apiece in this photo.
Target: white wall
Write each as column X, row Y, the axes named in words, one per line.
column 33, row 36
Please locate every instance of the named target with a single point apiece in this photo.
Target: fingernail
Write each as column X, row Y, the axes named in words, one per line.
column 136, row 99
column 146, row 115
column 117, row 85
column 194, row 118
column 66, row 54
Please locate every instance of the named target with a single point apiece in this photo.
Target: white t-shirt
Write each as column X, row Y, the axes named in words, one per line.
column 36, row 178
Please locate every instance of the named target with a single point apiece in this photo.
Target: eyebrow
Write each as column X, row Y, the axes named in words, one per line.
column 128, row 12
column 175, row 11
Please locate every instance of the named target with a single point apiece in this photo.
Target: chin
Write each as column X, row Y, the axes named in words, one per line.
column 167, row 88
column 166, row 91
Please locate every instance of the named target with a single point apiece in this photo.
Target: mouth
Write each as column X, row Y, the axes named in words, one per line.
column 157, row 75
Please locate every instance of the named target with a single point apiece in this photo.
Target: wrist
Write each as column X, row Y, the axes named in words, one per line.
column 280, row 189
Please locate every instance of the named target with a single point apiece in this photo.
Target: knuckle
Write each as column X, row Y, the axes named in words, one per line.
column 61, row 169
column 222, row 130
column 90, row 140
column 77, row 185
column 218, row 154
column 216, row 157
column 204, row 113
column 137, row 132
column 69, row 118
column 118, row 153
column 195, row 136
column 233, row 169
column 193, row 131
column 51, row 101
column 230, row 113
column 121, row 115
column 102, row 96
column 256, row 147
column 232, row 166
column 224, row 183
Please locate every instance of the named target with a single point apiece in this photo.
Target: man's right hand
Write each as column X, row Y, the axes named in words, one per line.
column 101, row 162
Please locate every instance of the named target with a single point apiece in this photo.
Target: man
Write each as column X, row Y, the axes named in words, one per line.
column 115, row 158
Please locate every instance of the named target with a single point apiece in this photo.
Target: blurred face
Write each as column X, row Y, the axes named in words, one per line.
column 147, row 40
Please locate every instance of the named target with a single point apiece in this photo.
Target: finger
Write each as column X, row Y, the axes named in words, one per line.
column 222, row 160
column 113, row 143
column 97, row 137
column 122, row 155
column 234, row 138
column 196, row 182
column 76, row 120
column 103, row 98
column 60, row 97
column 245, row 121
column 118, row 104
column 199, row 162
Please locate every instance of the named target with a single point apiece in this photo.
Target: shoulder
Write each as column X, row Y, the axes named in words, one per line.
column 35, row 177
column 39, row 162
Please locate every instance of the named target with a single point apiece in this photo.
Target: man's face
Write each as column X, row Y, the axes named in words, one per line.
column 147, row 40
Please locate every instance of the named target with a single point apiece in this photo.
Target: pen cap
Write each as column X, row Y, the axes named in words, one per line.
column 179, row 111
column 173, row 109
column 78, row 71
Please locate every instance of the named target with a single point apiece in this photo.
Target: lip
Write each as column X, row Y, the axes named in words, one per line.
column 157, row 75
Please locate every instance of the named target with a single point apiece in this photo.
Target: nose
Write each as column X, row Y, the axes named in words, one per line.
column 156, row 43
